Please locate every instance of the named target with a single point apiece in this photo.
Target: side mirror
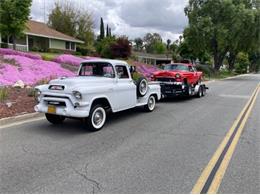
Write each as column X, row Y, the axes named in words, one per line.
column 132, row 69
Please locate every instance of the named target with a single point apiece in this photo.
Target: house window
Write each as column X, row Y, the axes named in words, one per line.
column 72, row 46
column 67, row 45
column 122, row 72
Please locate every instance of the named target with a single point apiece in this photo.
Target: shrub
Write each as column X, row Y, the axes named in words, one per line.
column 48, row 57
column 103, row 47
column 242, row 63
column 121, row 48
column 3, row 94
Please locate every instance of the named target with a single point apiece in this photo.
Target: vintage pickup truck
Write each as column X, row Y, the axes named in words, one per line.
column 100, row 86
column 180, row 79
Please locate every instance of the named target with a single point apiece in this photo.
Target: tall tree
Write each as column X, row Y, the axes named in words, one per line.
column 68, row 19
column 102, row 29
column 222, row 27
column 168, row 44
column 152, row 40
column 210, row 27
column 107, row 31
column 14, row 15
column 244, row 34
column 63, row 18
column 138, row 44
column 110, row 32
column 84, row 30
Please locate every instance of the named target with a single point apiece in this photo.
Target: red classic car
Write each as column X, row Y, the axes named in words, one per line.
column 180, row 79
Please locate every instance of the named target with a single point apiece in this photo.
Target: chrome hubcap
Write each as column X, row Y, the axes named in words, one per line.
column 143, row 87
column 151, row 103
column 98, row 118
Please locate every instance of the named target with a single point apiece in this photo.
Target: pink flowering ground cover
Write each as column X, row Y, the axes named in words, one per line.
column 4, row 51
column 68, row 59
column 71, row 59
column 30, row 71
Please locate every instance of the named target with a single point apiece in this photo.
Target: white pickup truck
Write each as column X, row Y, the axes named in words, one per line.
column 100, row 86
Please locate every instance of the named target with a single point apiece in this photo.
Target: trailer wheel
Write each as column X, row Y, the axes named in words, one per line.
column 200, row 92
column 203, row 90
column 142, row 87
column 97, row 118
column 188, row 91
column 54, row 119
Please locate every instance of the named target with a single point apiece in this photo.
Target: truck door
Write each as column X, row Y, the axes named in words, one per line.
column 125, row 89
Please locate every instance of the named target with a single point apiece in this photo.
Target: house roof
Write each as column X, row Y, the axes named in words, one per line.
column 42, row 30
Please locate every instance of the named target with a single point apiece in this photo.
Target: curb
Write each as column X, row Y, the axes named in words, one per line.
column 19, row 118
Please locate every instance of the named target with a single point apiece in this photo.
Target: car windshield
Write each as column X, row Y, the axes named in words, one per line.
column 97, row 69
column 173, row 67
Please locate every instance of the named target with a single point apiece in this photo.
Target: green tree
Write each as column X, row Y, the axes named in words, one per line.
column 85, row 33
column 150, row 41
column 244, row 36
column 107, row 32
column 211, row 25
column 68, row 19
column 242, row 63
column 159, row 47
column 103, row 47
column 63, row 18
column 223, row 28
column 102, row 29
column 138, row 44
column 13, row 17
column 168, row 44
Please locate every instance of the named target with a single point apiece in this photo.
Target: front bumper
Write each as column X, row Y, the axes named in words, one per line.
column 64, row 106
column 173, row 89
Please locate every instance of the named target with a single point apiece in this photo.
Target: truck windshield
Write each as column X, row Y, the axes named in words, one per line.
column 173, row 67
column 97, row 69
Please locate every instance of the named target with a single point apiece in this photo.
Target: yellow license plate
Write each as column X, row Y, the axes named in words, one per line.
column 52, row 109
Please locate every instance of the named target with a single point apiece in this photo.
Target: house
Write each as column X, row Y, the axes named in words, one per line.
column 39, row 36
column 154, row 59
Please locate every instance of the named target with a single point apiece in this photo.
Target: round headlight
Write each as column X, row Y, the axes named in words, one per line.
column 177, row 76
column 37, row 94
column 77, row 95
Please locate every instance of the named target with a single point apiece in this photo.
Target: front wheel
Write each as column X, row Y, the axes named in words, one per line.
column 54, row 119
column 97, row 118
column 150, row 104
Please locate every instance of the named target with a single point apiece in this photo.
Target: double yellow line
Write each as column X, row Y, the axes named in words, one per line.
column 212, row 175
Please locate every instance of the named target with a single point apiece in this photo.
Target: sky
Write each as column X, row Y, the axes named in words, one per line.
column 133, row 18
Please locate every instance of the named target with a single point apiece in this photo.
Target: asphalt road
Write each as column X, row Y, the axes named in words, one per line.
column 136, row 152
